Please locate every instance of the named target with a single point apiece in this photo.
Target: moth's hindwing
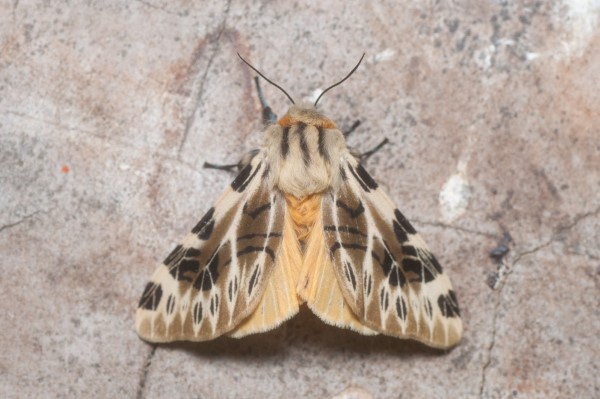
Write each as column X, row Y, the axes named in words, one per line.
column 212, row 282
column 389, row 278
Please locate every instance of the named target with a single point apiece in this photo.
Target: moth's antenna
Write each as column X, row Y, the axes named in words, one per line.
column 267, row 79
column 341, row 81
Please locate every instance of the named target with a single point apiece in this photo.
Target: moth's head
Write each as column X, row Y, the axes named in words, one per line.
column 305, row 113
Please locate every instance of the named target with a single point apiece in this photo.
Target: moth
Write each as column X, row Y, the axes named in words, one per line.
column 302, row 223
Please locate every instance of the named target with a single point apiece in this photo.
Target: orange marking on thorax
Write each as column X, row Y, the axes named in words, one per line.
column 304, row 212
column 288, row 121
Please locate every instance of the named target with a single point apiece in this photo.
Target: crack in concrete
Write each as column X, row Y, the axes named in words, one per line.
column 142, row 383
column 74, row 129
column 192, row 117
column 554, row 237
column 498, row 300
column 457, row 228
column 68, row 128
column 492, row 344
column 18, row 222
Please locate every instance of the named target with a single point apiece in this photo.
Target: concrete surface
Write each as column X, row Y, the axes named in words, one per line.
column 109, row 109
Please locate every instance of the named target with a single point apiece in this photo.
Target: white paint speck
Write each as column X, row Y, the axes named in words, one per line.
column 353, row 393
column 505, row 42
column 312, row 97
column 454, row 197
column 457, row 191
column 384, row 55
column 579, row 18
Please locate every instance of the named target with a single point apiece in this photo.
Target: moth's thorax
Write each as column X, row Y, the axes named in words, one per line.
column 304, row 150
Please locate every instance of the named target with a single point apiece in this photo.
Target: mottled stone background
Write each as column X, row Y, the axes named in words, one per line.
column 108, row 110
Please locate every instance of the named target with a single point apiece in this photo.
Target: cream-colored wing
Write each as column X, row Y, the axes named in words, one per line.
column 390, row 280
column 219, row 274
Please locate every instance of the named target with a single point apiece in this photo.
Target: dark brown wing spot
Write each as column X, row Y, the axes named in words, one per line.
column 368, row 284
column 416, row 267
column 363, row 178
column 214, row 304
column 207, row 277
column 345, row 229
column 183, row 263
column 390, row 268
column 253, row 213
column 426, row 267
column 396, row 277
column 404, row 222
column 366, row 178
column 400, row 233
column 170, row 304
column 175, row 254
column 250, row 249
column 409, row 250
column 350, row 275
column 186, row 270
column 151, row 296
column 401, row 308
column 434, row 262
column 428, row 308
column 192, row 252
column 260, row 235
column 338, row 245
column 197, row 313
column 244, row 178
column 454, row 302
column 448, row 305
column 254, row 279
column 232, row 288
column 384, row 300
column 352, row 212
column 206, row 225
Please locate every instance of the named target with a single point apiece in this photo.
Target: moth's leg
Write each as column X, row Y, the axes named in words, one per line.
column 352, row 128
column 365, row 155
column 245, row 161
column 229, row 167
column 268, row 116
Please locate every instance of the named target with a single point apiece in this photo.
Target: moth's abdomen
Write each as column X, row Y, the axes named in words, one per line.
column 303, row 213
column 304, row 158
